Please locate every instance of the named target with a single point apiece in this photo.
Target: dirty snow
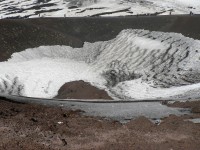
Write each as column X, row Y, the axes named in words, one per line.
column 137, row 64
column 84, row 8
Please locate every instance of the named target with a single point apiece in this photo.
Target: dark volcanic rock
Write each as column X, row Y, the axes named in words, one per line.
column 20, row 34
column 81, row 90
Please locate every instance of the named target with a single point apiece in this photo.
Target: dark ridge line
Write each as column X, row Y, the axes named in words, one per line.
column 30, row 8
column 28, row 99
column 90, row 9
column 107, row 13
column 40, row 6
column 44, row 11
column 186, row 80
column 143, row 59
column 166, row 54
column 12, row 101
column 186, row 55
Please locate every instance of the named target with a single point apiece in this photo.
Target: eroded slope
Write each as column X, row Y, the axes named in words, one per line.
column 138, row 64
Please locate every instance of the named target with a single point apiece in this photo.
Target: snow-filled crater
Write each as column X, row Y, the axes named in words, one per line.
column 137, row 64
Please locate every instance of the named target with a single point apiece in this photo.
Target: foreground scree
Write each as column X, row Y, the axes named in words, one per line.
column 36, row 127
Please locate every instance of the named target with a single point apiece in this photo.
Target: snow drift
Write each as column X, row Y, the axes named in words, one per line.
column 84, row 8
column 137, row 64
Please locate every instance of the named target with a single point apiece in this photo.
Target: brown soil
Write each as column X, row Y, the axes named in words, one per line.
column 36, row 127
column 194, row 105
column 81, row 90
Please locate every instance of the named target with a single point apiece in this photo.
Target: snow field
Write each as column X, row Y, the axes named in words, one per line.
column 85, row 8
column 137, row 64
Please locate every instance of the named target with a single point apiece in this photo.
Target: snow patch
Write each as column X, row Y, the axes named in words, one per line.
column 43, row 77
column 138, row 89
column 137, row 64
column 145, row 43
column 196, row 120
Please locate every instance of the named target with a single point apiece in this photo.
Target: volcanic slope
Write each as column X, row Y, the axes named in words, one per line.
column 80, row 8
column 137, row 64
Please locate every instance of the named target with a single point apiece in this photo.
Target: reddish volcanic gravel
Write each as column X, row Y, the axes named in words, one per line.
column 194, row 105
column 36, row 127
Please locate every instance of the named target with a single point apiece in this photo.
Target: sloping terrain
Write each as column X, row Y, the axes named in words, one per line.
column 81, row 90
column 39, row 71
column 137, row 64
column 38, row 127
column 20, row 34
column 116, row 61
column 80, row 8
